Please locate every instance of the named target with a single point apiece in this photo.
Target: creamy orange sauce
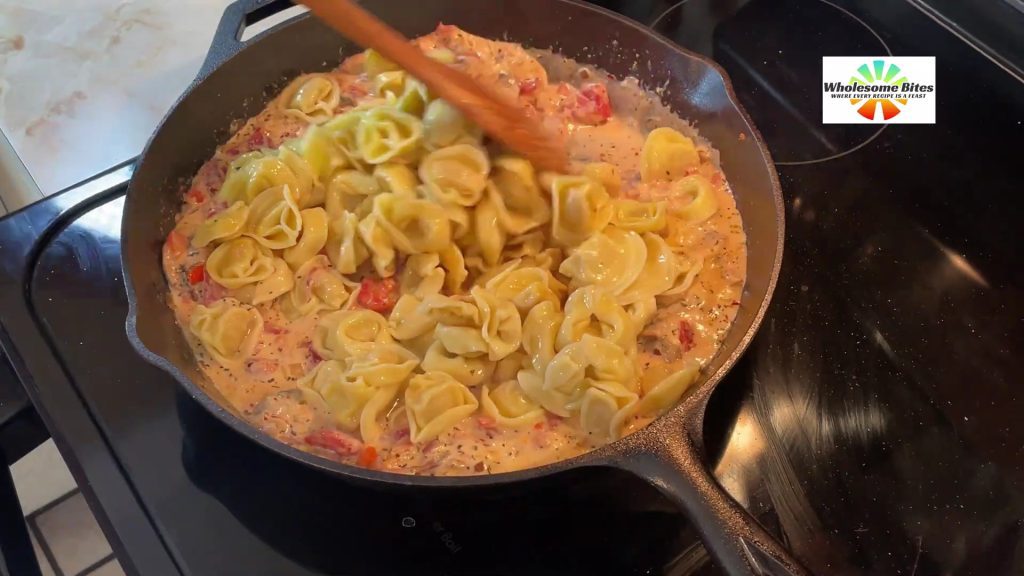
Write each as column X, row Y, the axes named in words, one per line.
column 264, row 390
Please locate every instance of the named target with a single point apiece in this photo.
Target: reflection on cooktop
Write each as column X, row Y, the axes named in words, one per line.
column 772, row 50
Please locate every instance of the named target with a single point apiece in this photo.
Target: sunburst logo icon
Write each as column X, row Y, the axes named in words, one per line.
column 876, row 75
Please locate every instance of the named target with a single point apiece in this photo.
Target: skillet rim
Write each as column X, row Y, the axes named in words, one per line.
column 690, row 407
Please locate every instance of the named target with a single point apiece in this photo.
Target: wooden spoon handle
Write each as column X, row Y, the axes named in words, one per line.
column 499, row 118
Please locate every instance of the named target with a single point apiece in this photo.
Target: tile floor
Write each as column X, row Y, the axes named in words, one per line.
column 66, row 537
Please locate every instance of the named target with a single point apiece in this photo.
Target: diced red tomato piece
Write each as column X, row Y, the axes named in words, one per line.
column 686, row 336
column 527, row 86
column 592, row 104
column 367, row 457
column 486, row 422
column 336, row 441
column 378, row 294
column 197, row 274
column 538, row 426
column 195, row 196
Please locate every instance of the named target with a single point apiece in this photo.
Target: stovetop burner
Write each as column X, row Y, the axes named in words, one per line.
column 772, row 50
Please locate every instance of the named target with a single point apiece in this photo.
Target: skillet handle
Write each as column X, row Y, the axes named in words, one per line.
column 237, row 16
column 673, row 464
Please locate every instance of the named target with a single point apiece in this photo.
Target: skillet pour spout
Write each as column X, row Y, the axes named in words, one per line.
column 235, row 82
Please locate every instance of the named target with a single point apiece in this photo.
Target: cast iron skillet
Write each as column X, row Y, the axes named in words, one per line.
column 238, row 78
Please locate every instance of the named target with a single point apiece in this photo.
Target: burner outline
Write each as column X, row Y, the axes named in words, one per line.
column 869, row 139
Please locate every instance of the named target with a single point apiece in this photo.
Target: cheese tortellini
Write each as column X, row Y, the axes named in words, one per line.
column 509, row 406
column 410, row 272
column 402, row 91
column 228, row 330
column 526, row 286
column 280, row 281
column 456, row 174
column 444, row 125
column 639, row 216
column 274, row 218
column 667, row 155
column 500, row 323
column 518, row 200
column 611, row 260
column 256, row 172
column 312, row 239
column 353, row 402
column 412, row 226
column 224, row 226
column 345, row 333
column 580, row 207
column 240, row 262
column 318, row 287
column 434, row 402
column 344, row 246
column 701, row 195
column 312, row 97
column 388, row 134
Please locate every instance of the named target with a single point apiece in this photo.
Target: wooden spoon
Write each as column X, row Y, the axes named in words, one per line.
column 499, row 118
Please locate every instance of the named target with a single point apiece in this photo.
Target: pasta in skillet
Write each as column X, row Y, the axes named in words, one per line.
column 312, row 98
column 369, row 278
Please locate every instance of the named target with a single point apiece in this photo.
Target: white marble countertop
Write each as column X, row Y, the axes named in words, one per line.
column 83, row 83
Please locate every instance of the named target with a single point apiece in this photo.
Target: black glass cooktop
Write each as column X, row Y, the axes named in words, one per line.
column 874, row 425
